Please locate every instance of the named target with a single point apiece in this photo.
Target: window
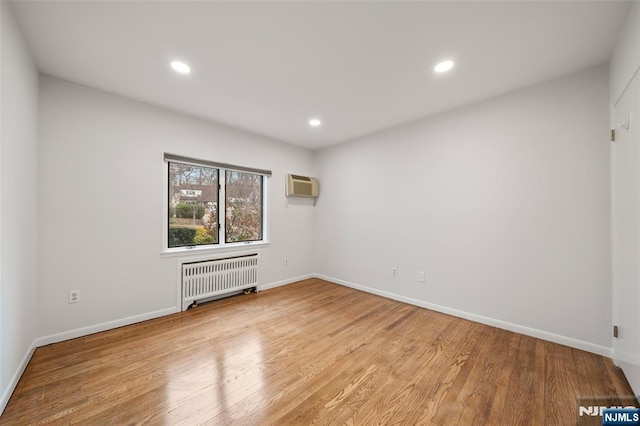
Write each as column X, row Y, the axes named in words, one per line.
column 243, row 197
column 193, row 205
column 213, row 204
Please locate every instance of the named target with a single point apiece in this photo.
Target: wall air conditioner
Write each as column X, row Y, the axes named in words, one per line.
column 301, row 186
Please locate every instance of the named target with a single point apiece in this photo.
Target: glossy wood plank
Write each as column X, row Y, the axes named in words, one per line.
column 311, row 353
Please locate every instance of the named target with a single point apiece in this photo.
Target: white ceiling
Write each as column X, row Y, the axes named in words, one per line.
column 360, row 66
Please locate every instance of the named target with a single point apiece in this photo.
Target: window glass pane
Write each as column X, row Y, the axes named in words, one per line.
column 193, row 205
column 243, row 206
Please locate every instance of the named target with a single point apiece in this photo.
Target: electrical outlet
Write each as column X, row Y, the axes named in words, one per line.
column 394, row 272
column 74, row 296
column 286, row 261
column 421, row 277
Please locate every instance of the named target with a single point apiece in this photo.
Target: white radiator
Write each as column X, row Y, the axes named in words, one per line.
column 209, row 278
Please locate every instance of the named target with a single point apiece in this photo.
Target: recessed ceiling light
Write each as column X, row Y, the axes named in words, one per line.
column 180, row 67
column 443, row 66
column 314, row 122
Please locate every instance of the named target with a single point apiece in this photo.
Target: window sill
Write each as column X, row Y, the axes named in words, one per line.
column 227, row 248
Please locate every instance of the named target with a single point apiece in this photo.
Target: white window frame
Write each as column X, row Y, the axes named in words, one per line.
column 222, row 245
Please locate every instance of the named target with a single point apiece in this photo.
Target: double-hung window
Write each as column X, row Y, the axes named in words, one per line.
column 213, row 204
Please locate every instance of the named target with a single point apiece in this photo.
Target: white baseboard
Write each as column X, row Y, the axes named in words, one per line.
column 285, row 282
column 6, row 395
column 540, row 334
column 84, row 331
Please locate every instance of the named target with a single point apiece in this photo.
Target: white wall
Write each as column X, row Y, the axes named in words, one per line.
column 18, row 205
column 100, row 194
column 504, row 204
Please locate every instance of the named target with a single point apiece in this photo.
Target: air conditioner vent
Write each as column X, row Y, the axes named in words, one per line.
column 301, row 186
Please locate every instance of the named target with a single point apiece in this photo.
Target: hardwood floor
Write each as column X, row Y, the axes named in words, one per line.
column 312, row 353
